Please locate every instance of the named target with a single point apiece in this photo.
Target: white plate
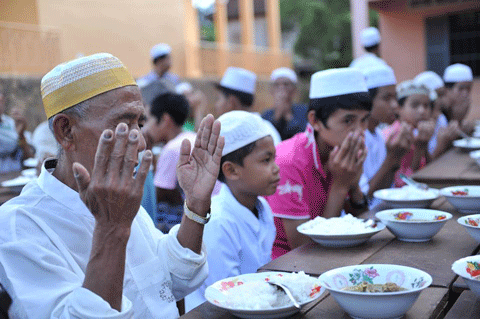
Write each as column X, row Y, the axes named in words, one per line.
column 19, row 181
column 468, row 144
column 407, row 197
column 30, row 162
column 217, row 294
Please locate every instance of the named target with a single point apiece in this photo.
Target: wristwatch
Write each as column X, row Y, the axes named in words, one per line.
column 195, row 217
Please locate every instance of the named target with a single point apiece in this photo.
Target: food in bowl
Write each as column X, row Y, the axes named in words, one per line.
column 366, row 287
column 345, row 225
column 407, row 197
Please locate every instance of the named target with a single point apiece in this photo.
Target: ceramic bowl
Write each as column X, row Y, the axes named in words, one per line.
column 472, row 225
column 413, row 224
column 461, row 266
column 407, row 197
column 466, row 199
column 385, row 305
column 475, row 155
column 469, row 144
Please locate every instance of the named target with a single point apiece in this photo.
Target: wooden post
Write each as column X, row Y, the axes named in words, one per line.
column 192, row 41
column 221, row 26
column 247, row 16
column 360, row 21
column 272, row 9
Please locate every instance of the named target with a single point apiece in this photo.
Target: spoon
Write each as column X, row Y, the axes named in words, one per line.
column 413, row 183
column 287, row 292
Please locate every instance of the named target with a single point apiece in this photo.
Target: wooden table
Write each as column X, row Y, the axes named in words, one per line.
column 467, row 306
column 434, row 257
column 6, row 193
column 455, row 167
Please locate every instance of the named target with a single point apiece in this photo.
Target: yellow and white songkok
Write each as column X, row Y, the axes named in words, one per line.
column 81, row 79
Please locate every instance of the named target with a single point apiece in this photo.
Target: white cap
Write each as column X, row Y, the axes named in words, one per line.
column 159, row 50
column 370, row 37
column 410, row 87
column 284, row 73
column 183, row 87
column 378, row 76
column 432, row 81
column 336, row 82
column 239, row 79
column 240, row 128
column 458, row 73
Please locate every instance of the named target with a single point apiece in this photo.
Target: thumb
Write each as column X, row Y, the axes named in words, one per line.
column 81, row 176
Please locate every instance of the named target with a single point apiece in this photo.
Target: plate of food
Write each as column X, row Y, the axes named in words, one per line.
column 407, row 197
column 251, row 296
column 375, row 290
column 346, row 231
column 465, row 198
column 467, row 144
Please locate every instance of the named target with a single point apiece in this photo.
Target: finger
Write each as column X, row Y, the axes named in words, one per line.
column 333, row 153
column 361, row 159
column 212, row 143
column 353, row 151
column 344, row 147
column 217, row 156
column 185, row 149
column 115, row 161
column 198, row 138
column 207, row 130
column 143, row 170
column 105, row 144
column 131, row 155
column 81, row 177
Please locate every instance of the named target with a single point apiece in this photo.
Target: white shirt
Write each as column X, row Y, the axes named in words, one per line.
column 44, row 141
column 367, row 61
column 376, row 155
column 237, row 242
column 45, row 244
column 441, row 122
column 273, row 131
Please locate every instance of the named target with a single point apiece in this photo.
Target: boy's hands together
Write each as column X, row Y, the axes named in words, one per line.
column 425, row 133
column 399, row 144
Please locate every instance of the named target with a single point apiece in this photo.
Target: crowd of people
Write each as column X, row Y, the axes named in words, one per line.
column 144, row 200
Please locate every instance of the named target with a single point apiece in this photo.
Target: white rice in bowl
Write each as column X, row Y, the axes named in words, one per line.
column 346, row 225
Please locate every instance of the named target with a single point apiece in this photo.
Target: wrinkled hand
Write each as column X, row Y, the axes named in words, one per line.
column 399, row 144
column 20, row 121
column 425, row 133
column 197, row 171
column 346, row 162
column 111, row 192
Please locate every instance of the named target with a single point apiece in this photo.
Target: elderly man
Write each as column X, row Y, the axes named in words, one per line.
column 76, row 243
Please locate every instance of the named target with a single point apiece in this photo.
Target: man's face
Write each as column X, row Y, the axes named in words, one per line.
column 163, row 65
column 156, row 129
column 284, row 85
column 106, row 111
column 223, row 104
column 443, row 101
column 385, row 105
column 342, row 122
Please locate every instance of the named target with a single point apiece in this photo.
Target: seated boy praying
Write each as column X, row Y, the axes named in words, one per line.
column 240, row 234
column 321, row 167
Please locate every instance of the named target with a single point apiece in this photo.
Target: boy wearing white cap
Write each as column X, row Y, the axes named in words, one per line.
column 320, row 167
column 287, row 117
column 458, row 81
column 237, row 92
column 370, row 39
column 384, row 157
column 239, row 236
column 445, row 132
column 161, row 62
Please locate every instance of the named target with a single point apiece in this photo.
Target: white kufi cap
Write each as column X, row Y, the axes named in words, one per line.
column 240, row 128
column 431, row 80
column 335, row 82
column 239, row 79
column 370, row 37
column 284, row 73
column 378, row 76
column 183, row 87
column 410, row 87
column 458, row 73
column 160, row 50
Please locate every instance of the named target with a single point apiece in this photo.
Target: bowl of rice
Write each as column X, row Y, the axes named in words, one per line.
column 469, row 269
column 472, row 225
column 375, row 290
column 466, row 199
column 346, row 231
column 250, row 295
column 407, row 197
column 413, row 224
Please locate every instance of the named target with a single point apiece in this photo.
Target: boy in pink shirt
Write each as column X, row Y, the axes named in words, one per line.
column 321, row 167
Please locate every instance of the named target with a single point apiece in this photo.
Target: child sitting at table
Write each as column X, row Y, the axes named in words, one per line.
column 239, row 236
column 415, row 110
column 384, row 157
column 320, row 167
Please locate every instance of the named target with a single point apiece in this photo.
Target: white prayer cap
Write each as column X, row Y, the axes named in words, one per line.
column 239, row 79
column 410, row 87
column 458, row 73
column 284, row 73
column 183, row 87
column 378, row 76
column 240, row 128
column 335, row 82
column 370, row 37
column 160, row 50
column 431, row 80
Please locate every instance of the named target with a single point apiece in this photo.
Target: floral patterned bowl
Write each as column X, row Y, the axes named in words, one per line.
column 259, row 300
column 472, row 225
column 469, row 269
column 379, row 304
column 464, row 198
column 413, row 224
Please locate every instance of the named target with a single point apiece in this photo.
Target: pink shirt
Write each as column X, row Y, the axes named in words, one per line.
column 304, row 185
column 406, row 163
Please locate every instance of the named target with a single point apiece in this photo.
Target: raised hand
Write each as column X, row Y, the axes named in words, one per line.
column 198, row 169
column 111, row 191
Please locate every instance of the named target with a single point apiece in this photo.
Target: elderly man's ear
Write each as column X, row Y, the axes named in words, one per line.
column 63, row 131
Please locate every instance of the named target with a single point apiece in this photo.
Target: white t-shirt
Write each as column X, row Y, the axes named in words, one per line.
column 441, row 122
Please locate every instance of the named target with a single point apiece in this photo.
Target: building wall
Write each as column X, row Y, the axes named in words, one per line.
column 19, row 11
column 260, row 32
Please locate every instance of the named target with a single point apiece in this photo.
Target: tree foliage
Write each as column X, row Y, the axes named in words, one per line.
column 324, row 30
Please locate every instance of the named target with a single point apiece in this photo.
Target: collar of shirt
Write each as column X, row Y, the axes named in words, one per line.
column 59, row 191
column 312, row 143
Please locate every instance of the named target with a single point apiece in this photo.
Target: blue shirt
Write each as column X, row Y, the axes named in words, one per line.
column 153, row 76
column 286, row 129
